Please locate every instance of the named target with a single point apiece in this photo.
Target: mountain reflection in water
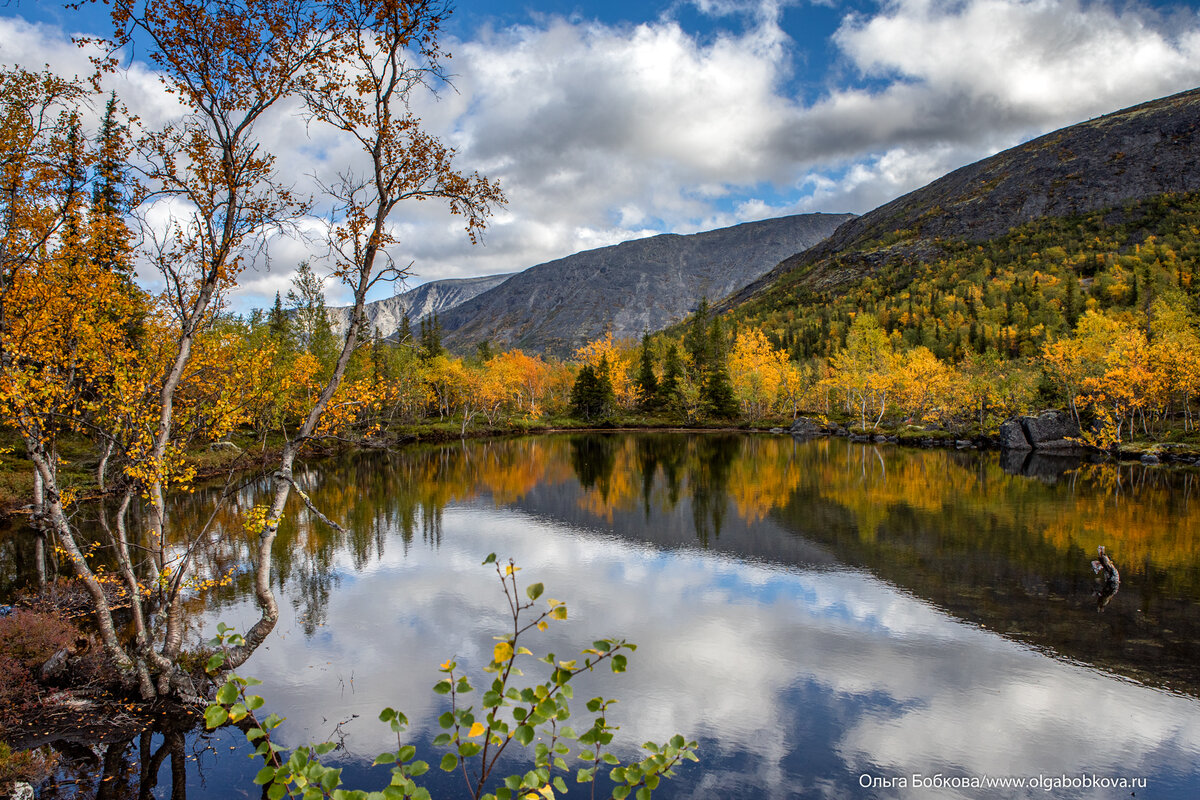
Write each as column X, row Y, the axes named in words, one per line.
column 812, row 612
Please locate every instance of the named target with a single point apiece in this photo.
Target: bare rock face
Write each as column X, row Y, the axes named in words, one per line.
column 628, row 288
column 434, row 297
column 1048, row 431
column 1139, row 152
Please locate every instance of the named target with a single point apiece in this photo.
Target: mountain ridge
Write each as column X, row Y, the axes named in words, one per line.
column 643, row 284
column 1148, row 149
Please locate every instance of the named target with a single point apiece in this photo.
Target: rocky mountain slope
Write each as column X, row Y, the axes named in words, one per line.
column 627, row 288
column 427, row 299
column 1140, row 152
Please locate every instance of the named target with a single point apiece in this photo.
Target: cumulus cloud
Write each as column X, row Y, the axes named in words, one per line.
column 602, row 133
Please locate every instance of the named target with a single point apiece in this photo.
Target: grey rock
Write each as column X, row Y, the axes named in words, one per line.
column 776, row 430
column 806, row 426
column 434, row 297
column 21, row 791
column 1149, row 458
column 1012, row 435
column 1051, row 430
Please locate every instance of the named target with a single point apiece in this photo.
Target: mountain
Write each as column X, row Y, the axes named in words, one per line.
column 1105, row 163
column 430, row 298
column 645, row 284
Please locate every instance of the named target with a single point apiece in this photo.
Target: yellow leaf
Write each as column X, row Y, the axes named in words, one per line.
column 476, row 729
column 502, row 652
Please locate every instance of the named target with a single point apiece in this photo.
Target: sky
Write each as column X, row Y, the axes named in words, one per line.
column 610, row 121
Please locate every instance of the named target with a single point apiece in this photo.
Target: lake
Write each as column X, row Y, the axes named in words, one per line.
column 828, row 619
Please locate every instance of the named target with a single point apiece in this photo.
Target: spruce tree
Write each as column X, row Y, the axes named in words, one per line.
column 646, row 381
column 717, row 393
column 672, row 372
column 110, row 236
column 277, row 321
column 431, row 337
column 695, row 339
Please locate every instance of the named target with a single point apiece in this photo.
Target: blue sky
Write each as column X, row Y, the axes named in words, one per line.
column 611, row 121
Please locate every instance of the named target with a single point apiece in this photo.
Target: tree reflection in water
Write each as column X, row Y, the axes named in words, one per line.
column 958, row 529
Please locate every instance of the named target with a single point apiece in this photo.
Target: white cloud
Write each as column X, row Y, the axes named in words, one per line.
column 602, row 133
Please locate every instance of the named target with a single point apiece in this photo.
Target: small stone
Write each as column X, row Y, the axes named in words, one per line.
column 21, row 791
column 1149, row 458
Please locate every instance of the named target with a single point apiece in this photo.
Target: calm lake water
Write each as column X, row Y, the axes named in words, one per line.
column 818, row 615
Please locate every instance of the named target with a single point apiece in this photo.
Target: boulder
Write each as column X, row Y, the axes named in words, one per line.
column 1049, row 430
column 806, row 426
column 1012, row 435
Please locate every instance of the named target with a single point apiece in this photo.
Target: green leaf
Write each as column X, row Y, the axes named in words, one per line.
column 265, row 776
column 491, row 559
column 215, row 717
column 418, row 768
column 254, row 702
column 228, row 693
column 560, row 784
column 331, row 780
column 214, row 662
column 449, row 762
column 513, row 782
column 643, row 793
column 384, row 758
column 594, row 704
column 523, row 734
column 618, row 663
column 276, row 792
column 446, row 720
column 421, row 793
column 442, row 687
column 492, row 700
column 620, row 793
column 406, row 753
column 534, row 590
column 325, row 747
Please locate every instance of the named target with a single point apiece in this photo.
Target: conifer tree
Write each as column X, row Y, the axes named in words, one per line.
column 719, row 400
column 109, row 244
column 646, row 380
column 431, row 337
column 672, row 372
column 277, row 321
column 696, row 340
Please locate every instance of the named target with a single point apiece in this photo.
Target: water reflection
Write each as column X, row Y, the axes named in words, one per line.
column 811, row 612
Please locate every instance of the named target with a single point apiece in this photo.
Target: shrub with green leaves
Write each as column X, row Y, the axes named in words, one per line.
column 507, row 716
